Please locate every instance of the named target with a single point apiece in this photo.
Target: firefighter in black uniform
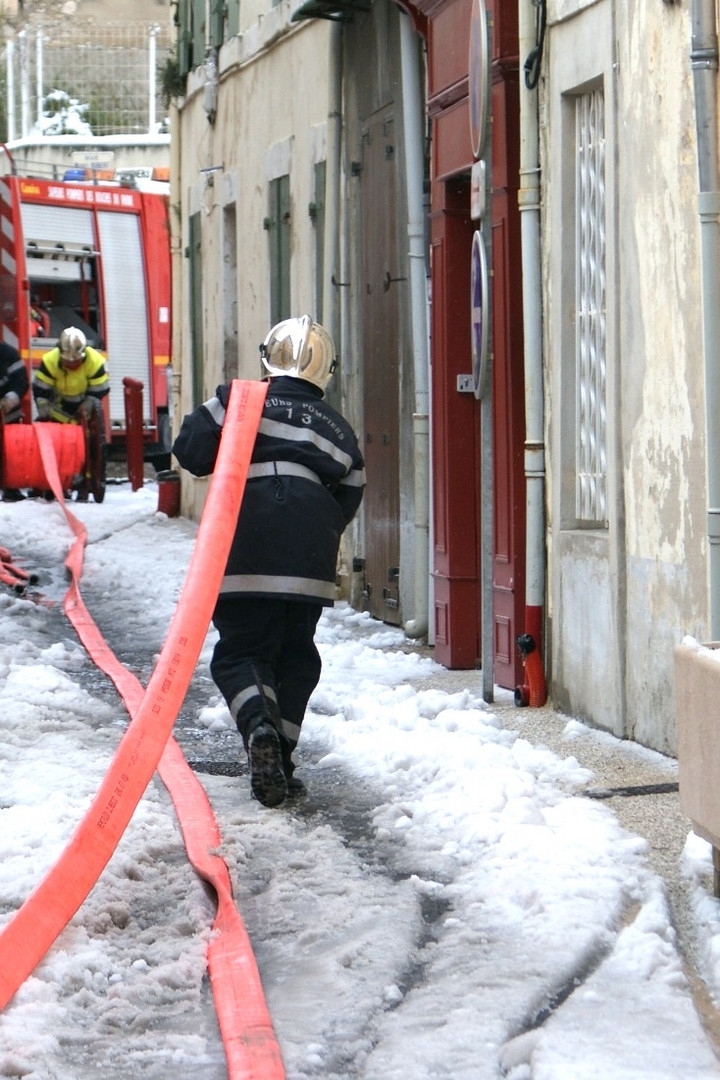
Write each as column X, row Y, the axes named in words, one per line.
column 14, row 386
column 305, row 483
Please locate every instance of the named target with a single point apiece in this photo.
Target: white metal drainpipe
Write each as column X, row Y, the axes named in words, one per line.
column 39, row 77
column 417, row 626
column 24, row 84
column 704, row 58
column 529, row 204
column 152, row 80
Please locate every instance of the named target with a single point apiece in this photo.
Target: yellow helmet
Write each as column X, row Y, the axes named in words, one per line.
column 300, row 348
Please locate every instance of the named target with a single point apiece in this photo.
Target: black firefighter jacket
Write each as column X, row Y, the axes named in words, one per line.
column 13, row 378
column 305, row 483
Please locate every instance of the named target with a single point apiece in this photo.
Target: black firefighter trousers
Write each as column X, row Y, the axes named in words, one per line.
column 266, row 664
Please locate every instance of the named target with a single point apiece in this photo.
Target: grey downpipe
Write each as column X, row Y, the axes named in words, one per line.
column 178, row 360
column 704, row 57
column 413, row 116
column 332, row 185
column 529, row 206
column 487, row 436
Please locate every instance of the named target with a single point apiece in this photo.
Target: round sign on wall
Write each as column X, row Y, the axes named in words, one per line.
column 479, row 75
column 479, row 308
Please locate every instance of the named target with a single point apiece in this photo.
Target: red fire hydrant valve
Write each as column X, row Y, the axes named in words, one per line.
column 533, row 692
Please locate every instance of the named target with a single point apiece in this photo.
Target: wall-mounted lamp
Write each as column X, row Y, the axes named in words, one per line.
column 209, row 173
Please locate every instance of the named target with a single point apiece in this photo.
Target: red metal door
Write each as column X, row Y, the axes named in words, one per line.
column 458, row 599
column 455, row 442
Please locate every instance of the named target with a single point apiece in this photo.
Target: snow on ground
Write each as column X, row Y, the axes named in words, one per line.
column 444, row 904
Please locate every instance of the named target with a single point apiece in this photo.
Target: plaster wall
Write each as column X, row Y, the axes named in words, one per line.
column 585, row 584
column 53, row 156
column 586, row 659
column 271, row 113
column 662, row 369
column 272, row 116
column 621, row 599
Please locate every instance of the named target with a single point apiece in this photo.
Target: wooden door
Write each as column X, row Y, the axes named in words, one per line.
column 381, row 364
column 509, row 511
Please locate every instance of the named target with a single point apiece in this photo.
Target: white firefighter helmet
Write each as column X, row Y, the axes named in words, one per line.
column 300, row 348
column 72, row 345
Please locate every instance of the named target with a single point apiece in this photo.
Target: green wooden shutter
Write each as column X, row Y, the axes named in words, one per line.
column 198, row 32
column 279, row 235
column 319, row 222
column 217, row 22
column 197, row 337
column 184, row 22
column 233, row 18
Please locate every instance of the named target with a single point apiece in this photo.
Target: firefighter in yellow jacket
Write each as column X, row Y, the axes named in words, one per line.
column 72, row 379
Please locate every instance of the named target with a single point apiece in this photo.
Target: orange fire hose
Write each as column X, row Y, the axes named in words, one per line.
column 22, row 465
column 250, row 1045
column 14, row 576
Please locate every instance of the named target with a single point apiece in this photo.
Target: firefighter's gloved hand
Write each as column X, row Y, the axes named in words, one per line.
column 89, row 405
column 43, row 408
column 9, row 402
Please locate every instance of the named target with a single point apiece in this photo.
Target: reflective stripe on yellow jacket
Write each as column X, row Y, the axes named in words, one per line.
column 52, row 380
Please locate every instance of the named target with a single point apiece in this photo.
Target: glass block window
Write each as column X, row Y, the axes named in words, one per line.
column 590, row 330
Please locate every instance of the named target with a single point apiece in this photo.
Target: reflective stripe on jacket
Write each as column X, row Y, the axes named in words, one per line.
column 305, row 483
column 52, row 380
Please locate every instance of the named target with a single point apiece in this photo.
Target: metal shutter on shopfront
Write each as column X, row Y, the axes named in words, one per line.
column 126, row 316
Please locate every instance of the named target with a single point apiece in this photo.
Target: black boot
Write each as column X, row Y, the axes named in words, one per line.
column 295, row 786
column 267, row 776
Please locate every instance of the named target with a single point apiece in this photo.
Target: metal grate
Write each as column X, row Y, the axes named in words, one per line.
column 591, row 361
column 112, row 69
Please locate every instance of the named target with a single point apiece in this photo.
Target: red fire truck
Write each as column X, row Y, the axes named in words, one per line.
column 95, row 256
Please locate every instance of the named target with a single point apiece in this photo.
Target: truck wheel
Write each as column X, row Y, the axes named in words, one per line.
column 96, row 454
column 164, row 433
